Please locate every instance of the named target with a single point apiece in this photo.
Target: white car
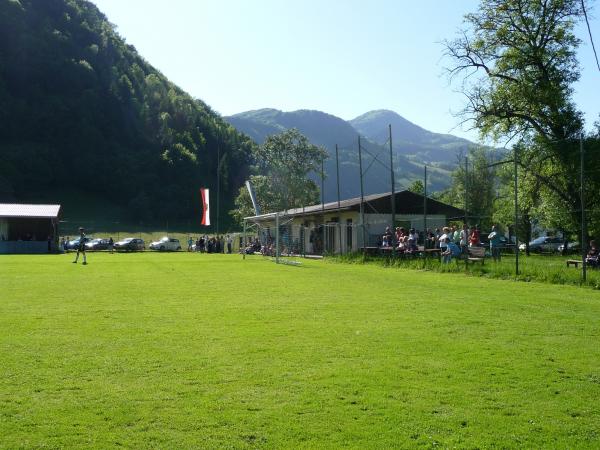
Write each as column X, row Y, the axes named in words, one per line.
column 166, row 244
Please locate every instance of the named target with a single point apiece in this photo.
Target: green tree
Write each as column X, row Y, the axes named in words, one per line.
column 474, row 186
column 517, row 63
column 529, row 202
column 284, row 162
column 417, row 187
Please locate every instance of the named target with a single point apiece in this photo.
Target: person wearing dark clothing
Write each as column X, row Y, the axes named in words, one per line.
column 593, row 254
column 81, row 246
column 229, row 244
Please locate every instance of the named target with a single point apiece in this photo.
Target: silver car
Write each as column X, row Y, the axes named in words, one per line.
column 544, row 244
column 166, row 244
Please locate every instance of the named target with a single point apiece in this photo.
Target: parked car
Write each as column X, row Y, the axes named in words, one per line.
column 130, row 245
column 572, row 247
column 73, row 244
column 166, row 244
column 543, row 244
column 97, row 244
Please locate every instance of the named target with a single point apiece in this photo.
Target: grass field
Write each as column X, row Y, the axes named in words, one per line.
column 188, row 350
column 542, row 268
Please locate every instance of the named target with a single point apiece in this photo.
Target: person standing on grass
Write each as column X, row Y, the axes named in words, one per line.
column 456, row 235
column 190, row 243
column 444, row 239
column 111, row 244
column 229, row 243
column 494, row 238
column 464, row 238
column 81, row 246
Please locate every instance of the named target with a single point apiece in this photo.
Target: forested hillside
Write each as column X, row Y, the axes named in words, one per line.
column 82, row 110
column 328, row 130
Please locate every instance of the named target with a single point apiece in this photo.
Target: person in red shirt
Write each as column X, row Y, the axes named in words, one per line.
column 474, row 239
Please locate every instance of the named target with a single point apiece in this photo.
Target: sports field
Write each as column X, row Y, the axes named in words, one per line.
column 188, row 350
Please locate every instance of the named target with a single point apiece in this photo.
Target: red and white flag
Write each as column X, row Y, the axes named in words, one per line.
column 205, row 207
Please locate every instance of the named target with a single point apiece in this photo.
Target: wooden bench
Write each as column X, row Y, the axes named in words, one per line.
column 475, row 254
column 372, row 251
column 387, row 251
column 574, row 262
column 432, row 252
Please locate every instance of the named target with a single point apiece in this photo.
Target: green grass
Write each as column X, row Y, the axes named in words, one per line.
column 188, row 350
column 541, row 268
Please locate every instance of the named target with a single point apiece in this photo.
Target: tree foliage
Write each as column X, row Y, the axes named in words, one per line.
column 417, row 187
column 517, row 61
column 283, row 163
column 80, row 109
column 474, row 186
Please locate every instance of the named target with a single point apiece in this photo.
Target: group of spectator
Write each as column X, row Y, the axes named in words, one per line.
column 450, row 240
column 402, row 240
column 213, row 244
column 266, row 248
column 253, row 246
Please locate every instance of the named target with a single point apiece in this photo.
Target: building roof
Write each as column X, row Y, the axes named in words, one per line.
column 406, row 202
column 29, row 211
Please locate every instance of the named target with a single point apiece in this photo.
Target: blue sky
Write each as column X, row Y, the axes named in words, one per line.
column 342, row 57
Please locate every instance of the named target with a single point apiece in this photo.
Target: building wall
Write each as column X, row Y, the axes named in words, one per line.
column 345, row 224
column 3, row 229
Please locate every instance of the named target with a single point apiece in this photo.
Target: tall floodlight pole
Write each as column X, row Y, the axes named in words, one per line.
column 323, row 185
column 425, row 203
column 362, row 193
column 515, row 157
column 337, row 171
column 277, row 237
column 244, row 241
column 466, row 187
column 392, row 180
column 583, row 219
column 218, row 183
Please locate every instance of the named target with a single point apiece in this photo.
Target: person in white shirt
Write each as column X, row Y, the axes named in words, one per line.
column 464, row 237
column 444, row 239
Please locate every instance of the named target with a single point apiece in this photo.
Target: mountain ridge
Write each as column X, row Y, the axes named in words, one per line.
column 413, row 146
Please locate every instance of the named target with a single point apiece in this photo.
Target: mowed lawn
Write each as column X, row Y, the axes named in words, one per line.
column 210, row 351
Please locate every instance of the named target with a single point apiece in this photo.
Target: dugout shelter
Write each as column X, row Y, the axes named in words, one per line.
column 348, row 225
column 27, row 228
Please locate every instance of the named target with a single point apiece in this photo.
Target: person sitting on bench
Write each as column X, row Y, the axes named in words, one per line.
column 452, row 251
column 387, row 238
column 411, row 241
column 593, row 254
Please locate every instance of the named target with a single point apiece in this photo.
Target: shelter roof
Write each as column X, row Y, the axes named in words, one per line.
column 29, row 211
column 406, row 202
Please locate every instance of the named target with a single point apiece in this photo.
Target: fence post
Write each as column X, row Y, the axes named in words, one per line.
column 583, row 218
